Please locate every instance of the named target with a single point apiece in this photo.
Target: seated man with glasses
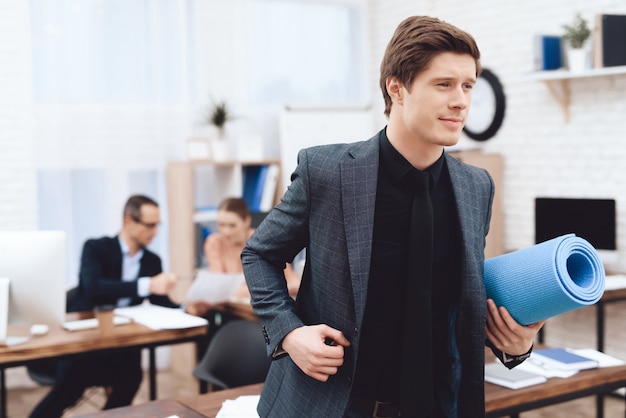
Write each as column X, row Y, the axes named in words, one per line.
column 118, row 271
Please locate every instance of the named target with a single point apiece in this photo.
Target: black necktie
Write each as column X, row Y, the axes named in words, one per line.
column 417, row 373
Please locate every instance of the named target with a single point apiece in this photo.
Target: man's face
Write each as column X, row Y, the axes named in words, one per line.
column 144, row 229
column 435, row 109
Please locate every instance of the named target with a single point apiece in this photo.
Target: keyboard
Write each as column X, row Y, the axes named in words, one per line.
column 81, row 324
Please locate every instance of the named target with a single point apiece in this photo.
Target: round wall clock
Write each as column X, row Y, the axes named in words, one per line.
column 487, row 107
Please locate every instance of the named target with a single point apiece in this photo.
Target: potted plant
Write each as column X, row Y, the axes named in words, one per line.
column 219, row 114
column 575, row 37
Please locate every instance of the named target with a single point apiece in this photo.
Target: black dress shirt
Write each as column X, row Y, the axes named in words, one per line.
column 378, row 371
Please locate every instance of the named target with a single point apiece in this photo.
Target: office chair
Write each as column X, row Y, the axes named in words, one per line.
column 43, row 372
column 236, row 356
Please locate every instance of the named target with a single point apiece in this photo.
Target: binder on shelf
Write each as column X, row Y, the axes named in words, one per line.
column 498, row 374
column 269, row 188
column 562, row 359
column 250, row 183
column 258, row 190
column 547, row 50
column 609, row 41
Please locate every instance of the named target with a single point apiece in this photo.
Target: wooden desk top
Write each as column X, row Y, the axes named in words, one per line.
column 162, row 408
column 583, row 383
column 59, row 342
column 613, row 295
column 209, row 404
column 240, row 309
column 497, row 398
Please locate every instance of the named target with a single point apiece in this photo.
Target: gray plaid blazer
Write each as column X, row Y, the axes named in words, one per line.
column 329, row 210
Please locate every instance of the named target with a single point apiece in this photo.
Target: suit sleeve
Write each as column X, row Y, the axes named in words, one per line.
column 97, row 287
column 278, row 239
column 100, row 285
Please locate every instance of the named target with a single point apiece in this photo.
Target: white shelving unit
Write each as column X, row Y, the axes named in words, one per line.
column 557, row 82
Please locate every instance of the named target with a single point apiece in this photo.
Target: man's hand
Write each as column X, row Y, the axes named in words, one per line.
column 317, row 350
column 161, row 284
column 197, row 308
column 506, row 334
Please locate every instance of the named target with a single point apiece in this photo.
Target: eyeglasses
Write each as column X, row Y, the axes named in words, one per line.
column 151, row 225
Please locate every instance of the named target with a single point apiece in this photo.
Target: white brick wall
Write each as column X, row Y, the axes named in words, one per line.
column 543, row 154
column 16, row 180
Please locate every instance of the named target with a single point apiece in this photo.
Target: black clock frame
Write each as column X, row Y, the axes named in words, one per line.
column 498, row 117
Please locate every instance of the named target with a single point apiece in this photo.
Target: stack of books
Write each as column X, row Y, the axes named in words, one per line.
column 561, row 359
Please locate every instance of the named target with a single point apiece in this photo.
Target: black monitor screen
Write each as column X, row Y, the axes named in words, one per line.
column 591, row 219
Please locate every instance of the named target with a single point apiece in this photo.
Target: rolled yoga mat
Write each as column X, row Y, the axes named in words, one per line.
column 547, row 279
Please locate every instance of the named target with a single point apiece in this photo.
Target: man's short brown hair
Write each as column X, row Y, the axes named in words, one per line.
column 133, row 205
column 416, row 41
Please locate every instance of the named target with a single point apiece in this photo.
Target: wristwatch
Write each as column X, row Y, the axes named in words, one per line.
column 507, row 358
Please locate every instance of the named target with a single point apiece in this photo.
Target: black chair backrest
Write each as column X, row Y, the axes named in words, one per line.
column 236, row 356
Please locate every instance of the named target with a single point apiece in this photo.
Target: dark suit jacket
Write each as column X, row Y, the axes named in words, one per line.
column 329, row 208
column 100, row 277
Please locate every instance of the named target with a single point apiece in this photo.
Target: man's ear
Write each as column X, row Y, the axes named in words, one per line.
column 394, row 89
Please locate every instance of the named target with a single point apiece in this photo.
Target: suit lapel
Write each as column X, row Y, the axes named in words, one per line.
column 359, row 176
column 473, row 213
column 466, row 201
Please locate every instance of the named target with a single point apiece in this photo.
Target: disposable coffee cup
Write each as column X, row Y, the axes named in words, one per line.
column 104, row 314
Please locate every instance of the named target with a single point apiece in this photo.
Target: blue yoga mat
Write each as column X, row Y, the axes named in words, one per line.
column 547, row 279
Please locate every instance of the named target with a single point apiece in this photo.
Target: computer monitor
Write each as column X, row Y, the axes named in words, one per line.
column 35, row 264
column 590, row 219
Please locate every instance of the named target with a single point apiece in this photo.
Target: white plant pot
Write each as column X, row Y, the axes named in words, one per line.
column 250, row 147
column 220, row 150
column 577, row 60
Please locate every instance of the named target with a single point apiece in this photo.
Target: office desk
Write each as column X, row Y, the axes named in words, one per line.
column 499, row 401
column 242, row 310
column 209, row 404
column 61, row 343
column 164, row 408
column 609, row 296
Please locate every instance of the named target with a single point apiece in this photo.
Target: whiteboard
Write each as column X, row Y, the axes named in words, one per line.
column 305, row 126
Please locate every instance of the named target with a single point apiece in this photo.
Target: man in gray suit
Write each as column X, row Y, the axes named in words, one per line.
column 339, row 349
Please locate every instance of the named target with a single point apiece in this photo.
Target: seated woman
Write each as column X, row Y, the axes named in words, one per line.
column 222, row 248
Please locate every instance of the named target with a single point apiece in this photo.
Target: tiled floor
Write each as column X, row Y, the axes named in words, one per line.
column 575, row 329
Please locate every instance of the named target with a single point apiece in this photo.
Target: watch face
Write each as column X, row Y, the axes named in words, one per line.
column 487, row 108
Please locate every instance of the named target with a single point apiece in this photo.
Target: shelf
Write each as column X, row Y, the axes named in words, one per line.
column 213, row 180
column 557, row 82
column 230, row 163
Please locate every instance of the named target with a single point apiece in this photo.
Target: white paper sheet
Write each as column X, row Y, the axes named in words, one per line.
column 214, row 287
column 242, row 407
column 604, row 360
column 160, row 317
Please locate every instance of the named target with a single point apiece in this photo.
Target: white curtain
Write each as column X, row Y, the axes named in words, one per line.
column 112, row 51
column 304, row 51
